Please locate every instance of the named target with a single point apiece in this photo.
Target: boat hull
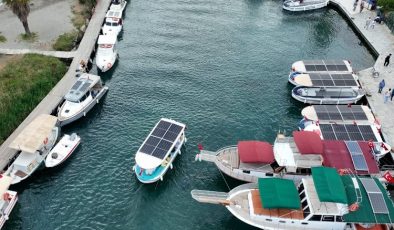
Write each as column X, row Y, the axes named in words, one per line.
column 326, row 99
column 105, row 63
column 305, row 7
column 7, row 210
column 66, row 146
column 67, row 120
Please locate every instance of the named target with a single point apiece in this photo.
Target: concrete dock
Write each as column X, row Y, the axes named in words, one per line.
column 58, row 54
column 381, row 41
column 55, row 96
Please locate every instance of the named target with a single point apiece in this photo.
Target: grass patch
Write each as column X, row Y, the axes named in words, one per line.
column 2, row 38
column 78, row 19
column 65, row 42
column 28, row 38
column 23, row 84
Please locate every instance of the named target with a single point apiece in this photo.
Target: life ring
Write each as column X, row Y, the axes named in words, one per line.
column 354, row 207
column 46, row 141
column 6, row 196
column 109, row 65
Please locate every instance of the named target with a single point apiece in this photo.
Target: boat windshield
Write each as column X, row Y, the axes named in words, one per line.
column 105, row 46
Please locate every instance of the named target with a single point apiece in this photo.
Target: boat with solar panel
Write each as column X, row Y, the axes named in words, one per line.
column 113, row 19
column 317, row 66
column 304, row 5
column 327, row 95
column 8, row 199
column 326, row 200
column 354, row 132
column 338, row 114
column 159, row 150
column 106, row 52
column 81, row 98
column 33, row 143
column 324, row 79
column 292, row 157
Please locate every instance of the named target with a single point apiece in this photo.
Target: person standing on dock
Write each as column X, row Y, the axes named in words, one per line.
column 361, row 6
column 368, row 23
column 355, row 5
column 382, row 84
column 387, row 95
column 387, row 60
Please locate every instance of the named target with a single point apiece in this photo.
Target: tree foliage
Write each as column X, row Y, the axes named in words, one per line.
column 21, row 9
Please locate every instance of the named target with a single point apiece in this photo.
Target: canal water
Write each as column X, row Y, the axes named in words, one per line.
column 219, row 66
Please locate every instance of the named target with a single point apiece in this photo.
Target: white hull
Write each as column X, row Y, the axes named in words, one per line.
column 337, row 97
column 305, row 7
column 64, row 148
column 111, row 30
column 105, row 63
column 83, row 111
column 7, row 208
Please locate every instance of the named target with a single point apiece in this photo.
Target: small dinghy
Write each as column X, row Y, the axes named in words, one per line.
column 304, row 5
column 63, row 149
column 327, row 95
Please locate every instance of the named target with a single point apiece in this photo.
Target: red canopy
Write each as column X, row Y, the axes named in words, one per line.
column 255, row 152
column 308, row 142
column 337, row 155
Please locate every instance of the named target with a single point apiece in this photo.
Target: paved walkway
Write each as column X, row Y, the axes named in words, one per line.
column 382, row 41
column 58, row 54
column 55, row 96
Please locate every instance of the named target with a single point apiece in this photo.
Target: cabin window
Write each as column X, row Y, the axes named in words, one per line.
column 328, row 218
column 84, row 97
column 269, row 174
column 114, row 24
column 268, row 219
column 306, row 211
column 315, row 218
column 302, row 195
column 108, row 23
column 304, row 223
column 301, row 188
column 303, row 170
column 338, row 219
column 304, row 203
column 246, row 171
column 282, row 221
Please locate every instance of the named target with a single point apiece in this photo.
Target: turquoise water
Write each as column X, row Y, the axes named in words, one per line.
column 220, row 67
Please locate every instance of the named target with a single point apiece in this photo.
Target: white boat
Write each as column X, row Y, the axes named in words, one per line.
column 159, row 150
column 62, row 150
column 355, row 132
column 324, row 201
column 327, row 95
column 117, row 5
column 338, row 114
column 291, row 157
column 304, row 5
column 81, row 98
column 34, row 144
column 8, row 199
column 106, row 52
column 112, row 26
column 318, row 66
column 324, row 79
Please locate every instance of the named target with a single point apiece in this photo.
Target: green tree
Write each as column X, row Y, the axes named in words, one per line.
column 21, row 9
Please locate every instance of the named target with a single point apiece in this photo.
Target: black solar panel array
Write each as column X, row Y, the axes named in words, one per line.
column 375, row 196
column 347, row 132
column 325, row 65
column 340, row 112
column 357, row 155
column 327, row 79
column 161, row 139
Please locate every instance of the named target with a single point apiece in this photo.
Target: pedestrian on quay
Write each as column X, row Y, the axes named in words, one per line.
column 387, row 95
column 392, row 95
column 368, row 23
column 373, row 23
column 382, row 84
column 387, row 60
column 355, row 5
column 361, row 6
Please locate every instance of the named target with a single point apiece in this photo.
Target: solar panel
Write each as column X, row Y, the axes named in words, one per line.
column 161, row 139
column 76, row 85
column 327, row 79
column 325, row 65
column 357, row 156
column 340, row 112
column 347, row 132
column 375, row 196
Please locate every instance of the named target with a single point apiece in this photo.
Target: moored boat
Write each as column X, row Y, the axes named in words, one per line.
column 316, row 66
column 304, row 5
column 8, row 199
column 113, row 19
column 292, row 157
column 327, row 95
column 62, row 150
column 324, row 201
column 81, row 98
column 34, row 144
column 159, row 150
column 106, row 52
column 117, row 5
column 324, row 79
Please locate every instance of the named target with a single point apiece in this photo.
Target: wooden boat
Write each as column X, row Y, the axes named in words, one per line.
column 159, row 150
column 63, row 149
column 106, row 52
column 318, row 66
column 81, row 98
column 327, row 95
column 304, row 5
column 324, row 201
column 292, row 157
column 34, row 144
column 8, row 199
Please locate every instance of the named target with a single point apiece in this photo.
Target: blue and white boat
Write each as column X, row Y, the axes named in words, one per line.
column 159, row 150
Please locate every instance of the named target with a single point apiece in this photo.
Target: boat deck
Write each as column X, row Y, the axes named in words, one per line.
column 230, row 157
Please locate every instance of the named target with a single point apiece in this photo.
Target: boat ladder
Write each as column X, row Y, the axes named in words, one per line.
column 211, row 197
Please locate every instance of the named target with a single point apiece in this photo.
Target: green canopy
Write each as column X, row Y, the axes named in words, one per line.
column 328, row 184
column 278, row 193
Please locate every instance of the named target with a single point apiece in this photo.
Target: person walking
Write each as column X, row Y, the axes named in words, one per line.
column 361, row 6
column 392, row 95
column 355, row 5
column 387, row 95
column 387, row 60
column 382, row 84
column 373, row 23
column 368, row 23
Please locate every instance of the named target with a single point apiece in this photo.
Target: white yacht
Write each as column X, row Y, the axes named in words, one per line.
column 34, row 144
column 63, row 150
column 324, row 201
column 8, row 199
column 81, row 98
column 304, row 5
column 159, row 150
column 106, row 52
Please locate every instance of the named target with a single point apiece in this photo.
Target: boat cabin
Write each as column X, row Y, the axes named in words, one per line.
column 106, row 44
column 114, row 14
column 87, row 85
column 314, row 66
